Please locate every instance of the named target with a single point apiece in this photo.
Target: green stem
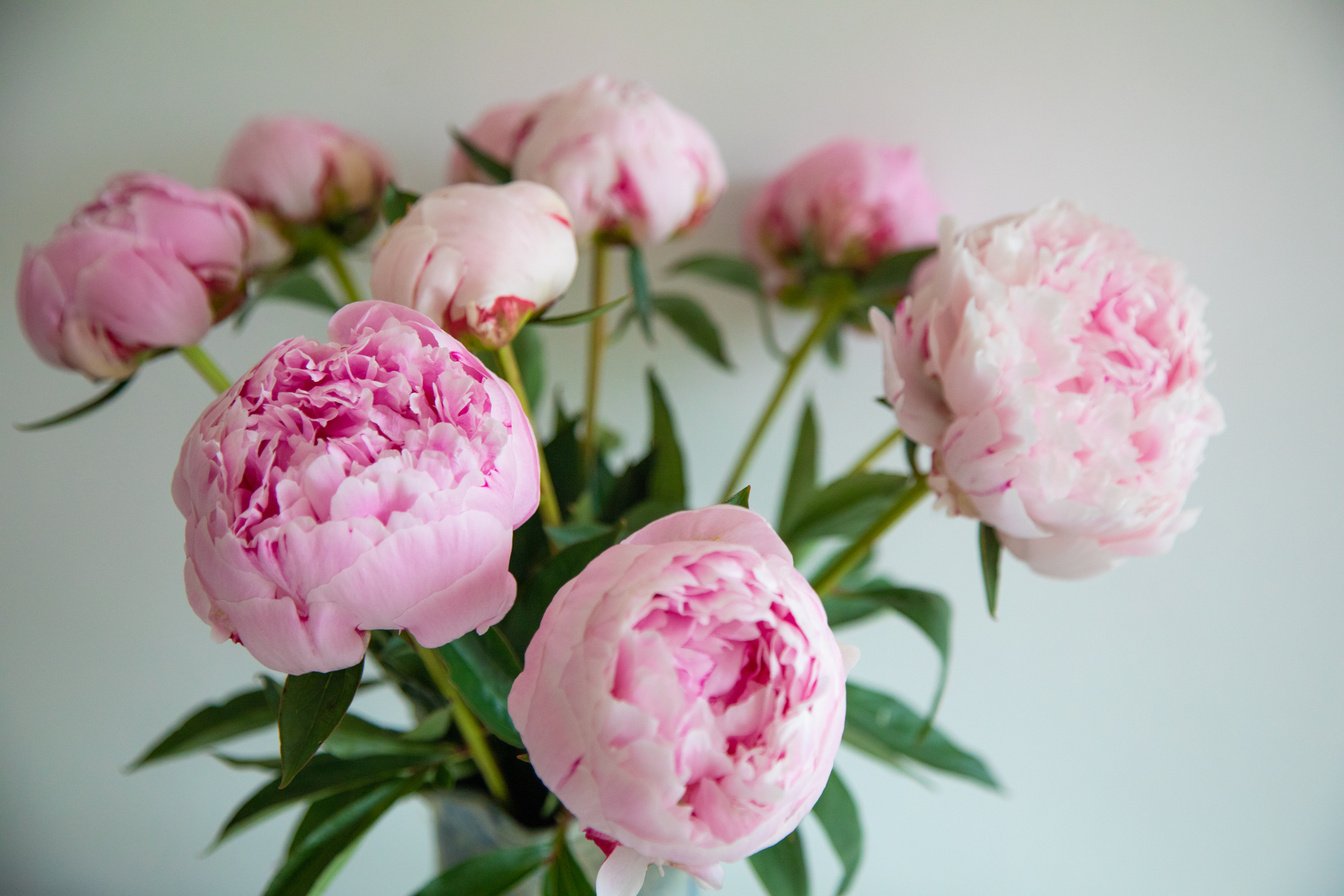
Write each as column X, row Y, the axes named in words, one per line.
column 472, row 733
column 331, row 253
column 825, row 320
column 205, row 365
column 550, row 506
column 875, row 452
column 838, row 568
column 597, row 341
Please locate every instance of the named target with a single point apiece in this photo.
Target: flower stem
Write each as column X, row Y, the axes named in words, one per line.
column 205, row 365
column 331, row 253
column 875, row 452
column 838, row 568
column 550, row 506
column 825, row 320
column 597, row 341
column 472, row 733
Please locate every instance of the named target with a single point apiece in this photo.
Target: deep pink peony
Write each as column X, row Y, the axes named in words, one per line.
column 151, row 263
column 684, row 696
column 372, row 482
column 628, row 164
column 498, row 133
column 479, row 259
column 1057, row 371
column 304, row 171
column 850, row 202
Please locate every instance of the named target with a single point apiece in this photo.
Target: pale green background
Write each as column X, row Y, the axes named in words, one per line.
column 1171, row 728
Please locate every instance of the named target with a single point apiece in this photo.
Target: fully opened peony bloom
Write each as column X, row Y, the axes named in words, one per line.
column 479, row 259
column 684, row 697
column 498, row 133
column 849, row 203
column 151, row 263
column 629, row 165
column 1057, row 371
column 371, row 482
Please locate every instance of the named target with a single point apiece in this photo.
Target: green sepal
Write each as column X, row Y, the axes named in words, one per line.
column 396, row 202
column 989, row 566
column 493, row 167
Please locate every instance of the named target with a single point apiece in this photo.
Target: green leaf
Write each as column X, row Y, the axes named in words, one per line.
column 639, row 285
column 844, row 508
column 493, row 167
column 210, row 724
column 531, row 355
column 320, row 810
column 565, row 877
column 772, row 346
column 893, row 273
column 887, row 729
column 726, row 269
column 573, row 533
column 690, row 319
column 535, row 593
column 356, row 737
column 322, row 777
column 833, row 344
column 580, row 317
column 989, row 566
column 271, row 690
column 78, row 410
column 300, row 287
column 330, row 839
column 782, row 868
column 645, row 512
column 491, row 874
column 740, row 499
column 311, row 706
column 266, row 763
column 839, row 817
column 483, row 669
column 565, row 458
column 802, row 481
column 396, row 201
column 667, row 480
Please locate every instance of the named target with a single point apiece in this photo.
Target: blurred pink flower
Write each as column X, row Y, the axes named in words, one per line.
column 479, row 259
column 684, row 696
column 1057, row 371
column 372, row 482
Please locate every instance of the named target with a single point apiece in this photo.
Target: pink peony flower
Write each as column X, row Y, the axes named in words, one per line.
column 372, row 482
column 479, row 259
column 629, row 165
column 151, row 263
column 851, row 202
column 498, row 133
column 305, row 171
column 1057, row 371
column 684, row 697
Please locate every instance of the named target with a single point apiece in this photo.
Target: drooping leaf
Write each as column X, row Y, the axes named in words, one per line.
column 483, row 668
column 213, row 723
column 691, row 321
column 491, row 874
column 493, row 167
column 802, row 481
column 311, row 706
column 839, row 817
column 579, row 317
column 989, row 566
column 639, row 286
column 564, row 877
column 887, row 729
column 843, row 508
column 396, row 201
column 726, row 269
column 782, row 868
column 741, row 497
column 78, row 410
column 667, row 480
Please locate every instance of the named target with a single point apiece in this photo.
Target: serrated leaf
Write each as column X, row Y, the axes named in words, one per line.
column 887, row 729
column 564, row 877
column 311, row 706
column 396, row 202
column 782, row 868
column 839, row 817
column 492, row 874
column 741, row 497
column 667, row 480
column 686, row 315
column 580, row 317
column 483, row 668
column 726, row 269
column 989, row 566
column 491, row 166
column 211, row 724
column 639, row 286
column 844, row 508
column 802, row 479
column 78, row 410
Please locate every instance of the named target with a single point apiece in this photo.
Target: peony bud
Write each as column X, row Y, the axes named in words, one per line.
column 371, row 482
column 480, row 260
column 1057, row 371
column 684, row 697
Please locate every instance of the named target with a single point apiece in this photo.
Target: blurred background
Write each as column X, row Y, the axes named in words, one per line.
column 1173, row 727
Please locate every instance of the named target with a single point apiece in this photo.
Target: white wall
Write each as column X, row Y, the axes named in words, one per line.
column 1174, row 727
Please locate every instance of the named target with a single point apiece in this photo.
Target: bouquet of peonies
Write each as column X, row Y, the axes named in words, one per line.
column 597, row 674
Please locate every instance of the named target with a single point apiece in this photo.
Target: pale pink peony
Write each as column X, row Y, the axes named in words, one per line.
column 372, row 482
column 150, row 264
column 684, row 696
column 849, row 202
column 629, row 165
column 479, row 259
column 304, row 171
column 498, row 133
column 1057, row 371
